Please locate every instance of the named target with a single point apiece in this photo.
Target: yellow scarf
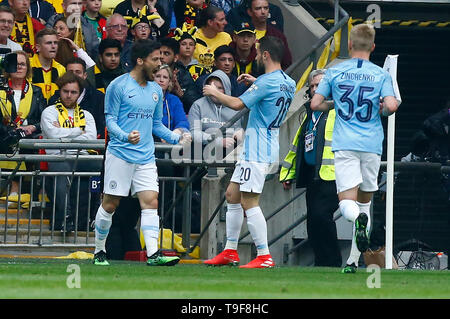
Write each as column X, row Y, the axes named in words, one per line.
column 63, row 117
column 23, row 33
column 24, row 110
column 191, row 14
column 24, row 106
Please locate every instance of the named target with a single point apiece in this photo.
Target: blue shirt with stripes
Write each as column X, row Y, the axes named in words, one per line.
column 356, row 86
column 268, row 99
column 128, row 107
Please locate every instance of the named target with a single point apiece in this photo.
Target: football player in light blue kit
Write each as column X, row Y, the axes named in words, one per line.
column 133, row 112
column 268, row 100
column 356, row 87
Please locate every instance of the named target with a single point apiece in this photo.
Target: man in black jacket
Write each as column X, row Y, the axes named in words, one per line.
column 108, row 65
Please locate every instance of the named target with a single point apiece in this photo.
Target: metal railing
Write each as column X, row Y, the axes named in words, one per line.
column 42, row 214
column 38, row 211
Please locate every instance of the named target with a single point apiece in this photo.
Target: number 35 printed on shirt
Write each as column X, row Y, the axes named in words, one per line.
column 361, row 102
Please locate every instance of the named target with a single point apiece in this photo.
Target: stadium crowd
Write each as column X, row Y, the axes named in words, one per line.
column 70, row 51
column 202, row 42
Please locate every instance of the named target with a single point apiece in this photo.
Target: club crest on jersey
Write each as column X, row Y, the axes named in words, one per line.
column 155, row 97
column 113, row 185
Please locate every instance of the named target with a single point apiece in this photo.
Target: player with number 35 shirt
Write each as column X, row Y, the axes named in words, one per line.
column 359, row 91
column 356, row 86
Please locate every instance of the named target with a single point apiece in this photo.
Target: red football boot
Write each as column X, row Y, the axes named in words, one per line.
column 226, row 257
column 263, row 261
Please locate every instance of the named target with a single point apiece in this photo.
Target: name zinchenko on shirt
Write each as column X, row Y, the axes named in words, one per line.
column 357, row 77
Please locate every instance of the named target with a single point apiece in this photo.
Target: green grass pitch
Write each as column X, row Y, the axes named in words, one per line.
column 52, row 278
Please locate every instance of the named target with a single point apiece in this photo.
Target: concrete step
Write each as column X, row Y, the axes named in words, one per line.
column 41, row 252
column 33, row 237
column 11, row 222
column 13, row 212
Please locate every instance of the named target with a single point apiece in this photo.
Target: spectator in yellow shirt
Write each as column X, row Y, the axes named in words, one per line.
column 210, row 35
column 45, row 70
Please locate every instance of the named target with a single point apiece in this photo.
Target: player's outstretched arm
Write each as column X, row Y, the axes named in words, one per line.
column 164, row 133
column 185, row 139
column 232, row 102
column 318, row 103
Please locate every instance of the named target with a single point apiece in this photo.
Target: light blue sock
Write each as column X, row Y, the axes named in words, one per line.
column 257, row 226
column 150, row 229
column 103, row 221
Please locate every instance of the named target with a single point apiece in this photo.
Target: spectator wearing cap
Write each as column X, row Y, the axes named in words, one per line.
column 224, row 61
column 141, row 29
column 185, row 55
column 210, row 35
column 183, row 84
column 244, row 40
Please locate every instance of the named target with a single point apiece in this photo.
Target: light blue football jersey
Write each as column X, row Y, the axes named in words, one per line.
column 128, row 107
column 268, row 99
column 356, row 86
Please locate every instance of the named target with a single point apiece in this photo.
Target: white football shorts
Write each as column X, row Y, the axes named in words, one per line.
column 356, row 169
column 122, row 176
column 251, row 176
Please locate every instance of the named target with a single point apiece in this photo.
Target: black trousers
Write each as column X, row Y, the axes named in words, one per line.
column 321, row 203
column 123, row 235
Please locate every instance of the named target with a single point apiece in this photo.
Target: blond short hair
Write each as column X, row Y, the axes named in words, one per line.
column 169, row 72
column 362, row 37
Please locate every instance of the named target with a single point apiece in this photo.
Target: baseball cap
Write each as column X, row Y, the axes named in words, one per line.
column 244, row 27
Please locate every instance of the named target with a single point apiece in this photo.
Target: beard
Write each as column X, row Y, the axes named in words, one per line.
column 148, row 74
column 69, row 104
column 260, row 69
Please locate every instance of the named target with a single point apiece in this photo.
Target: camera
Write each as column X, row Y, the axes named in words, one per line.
column 12, row 136
column 8, row 64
